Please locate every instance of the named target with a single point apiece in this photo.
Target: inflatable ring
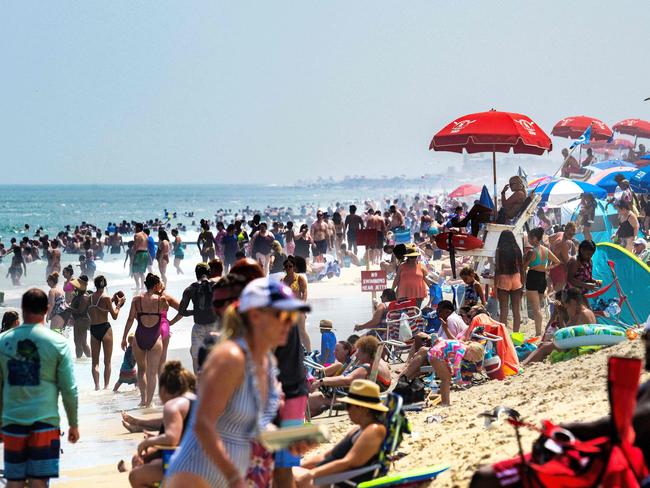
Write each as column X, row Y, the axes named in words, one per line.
column 588, row 335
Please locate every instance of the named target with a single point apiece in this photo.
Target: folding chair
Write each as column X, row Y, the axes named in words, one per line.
column 396, row 426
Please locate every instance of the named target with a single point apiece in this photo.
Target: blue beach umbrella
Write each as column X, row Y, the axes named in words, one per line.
column 486, row 199
column 640, row 180
column 609, row 184
column 613, row 163
column 562, row 190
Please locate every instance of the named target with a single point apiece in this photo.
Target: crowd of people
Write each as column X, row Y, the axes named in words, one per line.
column 248, row 302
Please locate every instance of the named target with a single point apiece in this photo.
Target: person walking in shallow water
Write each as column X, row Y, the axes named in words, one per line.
column 101, row 334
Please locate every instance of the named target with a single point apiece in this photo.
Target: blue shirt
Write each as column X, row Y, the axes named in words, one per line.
column 151, row 247
column 327, row 345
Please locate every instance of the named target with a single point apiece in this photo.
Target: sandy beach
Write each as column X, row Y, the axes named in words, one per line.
column 572, row 390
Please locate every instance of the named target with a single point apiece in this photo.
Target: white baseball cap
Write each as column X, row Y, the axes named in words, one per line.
column 268, row 293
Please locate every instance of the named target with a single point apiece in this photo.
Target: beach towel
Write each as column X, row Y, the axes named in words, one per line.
column 505, row 348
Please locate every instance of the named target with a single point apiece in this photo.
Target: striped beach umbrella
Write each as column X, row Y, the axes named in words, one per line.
column 562, row 190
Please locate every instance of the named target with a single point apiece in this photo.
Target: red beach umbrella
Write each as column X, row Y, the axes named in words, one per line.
column 574, row 127
column 633, row 127
column 465, row 190
column 493, row 132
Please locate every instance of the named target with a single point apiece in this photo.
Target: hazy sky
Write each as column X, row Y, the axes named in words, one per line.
column 272, row 91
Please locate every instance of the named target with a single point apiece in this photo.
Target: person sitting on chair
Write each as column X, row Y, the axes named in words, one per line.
column 360, row 447
column 378, row 319
column 367, row 348
column 512, row 206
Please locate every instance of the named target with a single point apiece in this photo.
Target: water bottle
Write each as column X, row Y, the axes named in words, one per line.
column 405, row 333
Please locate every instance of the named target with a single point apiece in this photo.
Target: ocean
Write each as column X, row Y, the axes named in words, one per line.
column 54, row 206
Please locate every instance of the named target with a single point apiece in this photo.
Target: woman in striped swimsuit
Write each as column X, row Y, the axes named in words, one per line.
column 216, row 450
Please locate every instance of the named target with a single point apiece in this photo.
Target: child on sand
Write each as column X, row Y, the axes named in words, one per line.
column 473, row 290
column 128, row 373
column 327, row 344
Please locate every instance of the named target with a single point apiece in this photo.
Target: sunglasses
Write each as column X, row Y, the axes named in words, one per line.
column 287, row 316
column 288, row 266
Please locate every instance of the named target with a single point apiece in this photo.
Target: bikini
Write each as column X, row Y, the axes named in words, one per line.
column 146, row 337
column 98, row 331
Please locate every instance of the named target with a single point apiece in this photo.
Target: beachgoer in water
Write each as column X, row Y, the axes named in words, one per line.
column 289, row 239
column 217, row 449
column 176, row 387
column 140, row 259
column 162, row 254
column 628, row 226
column 10, row 319
column 361, row 445
column 152, row 250
column 230, row 247
column 128, row 373
column 78, row 308
column 509, row 278
column 35, row 368
column 580, row 268
column 353, row 224
column 178, row 250
column 411, row 277
column 538, row 260
column 218, row 241
column 53, row 255
column 115, row 242
column 205, row 320
column 473, row 289
column 101, row 334
column 68, row 289
column 56, row 304
column 366, row 348
column 205, row 242
column 337, row 233
column 147, row 347
column 17, row 268
column 564, row 248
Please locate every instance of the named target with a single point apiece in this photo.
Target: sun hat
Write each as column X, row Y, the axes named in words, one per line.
column 79, row 284
column 411, row 251
column 268, row 293
column 365, row 393
column 326, row 324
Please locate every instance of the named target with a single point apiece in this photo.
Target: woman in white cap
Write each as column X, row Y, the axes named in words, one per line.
column 360, row 447
column 238, row 392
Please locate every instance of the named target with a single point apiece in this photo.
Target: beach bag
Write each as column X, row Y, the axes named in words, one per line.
column 411, row 391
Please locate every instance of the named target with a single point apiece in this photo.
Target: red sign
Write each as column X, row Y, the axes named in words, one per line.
column 373, row 280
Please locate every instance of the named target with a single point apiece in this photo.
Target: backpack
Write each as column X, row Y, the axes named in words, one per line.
column 412, row 391
column 203, row 297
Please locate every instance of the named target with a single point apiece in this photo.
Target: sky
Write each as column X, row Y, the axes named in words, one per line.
column 273, row 91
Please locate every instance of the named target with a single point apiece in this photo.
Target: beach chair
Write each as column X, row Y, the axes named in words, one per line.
column 398, row 311
column 396, row 426
column 337, row 391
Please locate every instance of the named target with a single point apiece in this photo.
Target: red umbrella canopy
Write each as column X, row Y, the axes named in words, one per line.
column 574, row 127
column 615, row 144
column 633, row 127
column 492, row 131
column 465, row 190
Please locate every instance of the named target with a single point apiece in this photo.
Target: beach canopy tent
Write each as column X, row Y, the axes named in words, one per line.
column 640, row 181
column 633, row 276
column 573, row 127
column 465, row 191
column 561, row 190
column 605, row 219
column 493, row 132
column 606, row 178
column 612, row 163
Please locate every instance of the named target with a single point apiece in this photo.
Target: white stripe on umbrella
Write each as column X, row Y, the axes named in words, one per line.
column 562, row 190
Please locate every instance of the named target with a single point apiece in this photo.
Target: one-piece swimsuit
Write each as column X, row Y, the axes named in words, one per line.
column 146, row 337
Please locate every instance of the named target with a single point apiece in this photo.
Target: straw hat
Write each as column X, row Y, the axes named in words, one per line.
column 365, row 393
column 411, row 251
column 79, row 284
column 326, row 324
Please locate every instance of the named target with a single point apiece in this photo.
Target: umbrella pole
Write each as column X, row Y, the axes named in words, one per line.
column 635, row 137
column 494, row 179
